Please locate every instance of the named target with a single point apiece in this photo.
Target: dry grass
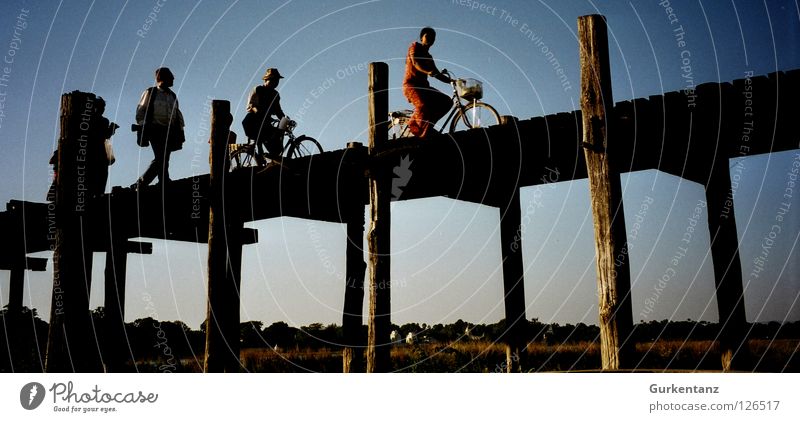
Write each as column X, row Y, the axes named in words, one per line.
column 484, row 356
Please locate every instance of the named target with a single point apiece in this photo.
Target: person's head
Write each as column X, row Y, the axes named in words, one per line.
column 164, row 77
column 272, row 77
column 100, row 105
column 427, row 36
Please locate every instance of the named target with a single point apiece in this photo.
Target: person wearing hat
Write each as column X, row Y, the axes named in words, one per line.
column 265, row 102
column 161, row 124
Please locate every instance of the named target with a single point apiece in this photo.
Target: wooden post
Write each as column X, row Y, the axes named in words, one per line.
column 233, row 282
column 224, row 255
column 352, row 318
column 734, row 350
column 513, row 281
column 613, row 274
column 71, row 345
column 116, row 350
column 378, row 345
column 15, row 289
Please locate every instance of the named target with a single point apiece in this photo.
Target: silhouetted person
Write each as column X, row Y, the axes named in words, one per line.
column 101, row 129
column 265, row 102
column 430, row 105
column 95, row 157
column 161, row 123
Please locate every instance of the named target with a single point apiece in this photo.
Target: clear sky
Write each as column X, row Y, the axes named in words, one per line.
column 446, row 254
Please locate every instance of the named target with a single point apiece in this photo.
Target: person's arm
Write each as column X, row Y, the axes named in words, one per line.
column 277, row 106
column 426, row 65
column 422, row 62
column 178, row 114
column 141, row 109
column 252, row 103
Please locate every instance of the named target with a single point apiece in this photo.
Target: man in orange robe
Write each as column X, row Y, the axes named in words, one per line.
column 430, row 105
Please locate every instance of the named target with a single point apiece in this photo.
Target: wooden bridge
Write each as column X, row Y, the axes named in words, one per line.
column 687, row 134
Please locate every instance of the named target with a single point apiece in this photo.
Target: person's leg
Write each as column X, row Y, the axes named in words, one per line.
column 99, row 182
column 152, row 170
column 164, row 176
column 441, row 105
column 436, row 105
column 275, row 142
column 156, row 166
column 415, row 123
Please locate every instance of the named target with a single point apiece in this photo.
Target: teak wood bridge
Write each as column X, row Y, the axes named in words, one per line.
column 687, row 134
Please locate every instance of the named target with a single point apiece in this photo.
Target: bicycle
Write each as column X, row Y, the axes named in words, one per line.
column 473, row 114
column 246, row 155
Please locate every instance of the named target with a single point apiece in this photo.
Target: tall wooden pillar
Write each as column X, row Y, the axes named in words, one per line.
column 733, row 345
column 15, row 289
column 378, row 345
column 233, row 283
column 613, row 273
column 513, row 281
column 116, row 347
column 71, row 344
column 351, row 194
column 224, row 254
column 352, row 318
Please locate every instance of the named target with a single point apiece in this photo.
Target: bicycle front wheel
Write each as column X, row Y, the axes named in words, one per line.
column 474, row 115
column 303, row 146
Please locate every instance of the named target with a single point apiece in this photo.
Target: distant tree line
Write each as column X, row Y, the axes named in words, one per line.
column 23, row 336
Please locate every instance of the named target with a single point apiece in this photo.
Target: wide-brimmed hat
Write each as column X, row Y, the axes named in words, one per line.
column 272, row 73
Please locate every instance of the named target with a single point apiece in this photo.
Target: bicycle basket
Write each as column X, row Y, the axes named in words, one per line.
column 469, row 89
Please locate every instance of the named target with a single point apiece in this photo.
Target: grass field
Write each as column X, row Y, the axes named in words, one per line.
column 479, row 356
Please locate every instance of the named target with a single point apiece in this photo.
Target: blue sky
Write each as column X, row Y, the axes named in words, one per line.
column 446, row 254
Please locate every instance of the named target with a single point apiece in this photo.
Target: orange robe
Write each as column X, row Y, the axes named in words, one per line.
column 430, row 105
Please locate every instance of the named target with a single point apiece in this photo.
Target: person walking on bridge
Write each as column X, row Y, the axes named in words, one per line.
column 161, row 125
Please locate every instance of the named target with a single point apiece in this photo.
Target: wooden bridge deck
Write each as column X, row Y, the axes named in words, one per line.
column 661, row 132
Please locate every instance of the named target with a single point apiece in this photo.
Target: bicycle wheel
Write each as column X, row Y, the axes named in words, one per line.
column 242, row 157
column 303, row 146
column 475, row 114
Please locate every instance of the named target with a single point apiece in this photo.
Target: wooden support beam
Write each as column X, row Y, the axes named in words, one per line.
column 378, row 345
column 513, row 281
column 352, row 318
column 16, row 279
column 72, row 346
column 224, row 254
column 613, row 274
column 232, row 291
column 36, row 264
column 734, row 350
column 16, row 286
column 116, row 352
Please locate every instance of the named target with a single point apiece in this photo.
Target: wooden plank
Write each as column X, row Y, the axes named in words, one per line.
column 27, row 263
column 379, row 326
column 613, row 277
